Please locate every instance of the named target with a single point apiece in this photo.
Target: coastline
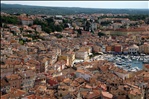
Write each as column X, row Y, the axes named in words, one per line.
column 131, row 64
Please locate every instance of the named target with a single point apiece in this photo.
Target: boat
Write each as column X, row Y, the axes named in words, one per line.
column 134, row 58
column 128, row 66
column 145, row 61
column 141, row 59
column 137, row 68
column 133, row 69
column 119, row 63
column 128, row 61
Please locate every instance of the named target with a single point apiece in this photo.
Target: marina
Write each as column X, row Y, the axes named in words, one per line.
column 127, row 62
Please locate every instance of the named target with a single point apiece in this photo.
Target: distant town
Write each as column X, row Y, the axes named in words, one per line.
column 79, row 56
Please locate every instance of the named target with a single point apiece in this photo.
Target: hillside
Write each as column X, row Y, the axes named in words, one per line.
column 16, row 8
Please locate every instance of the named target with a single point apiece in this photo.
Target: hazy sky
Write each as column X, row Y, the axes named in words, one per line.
column 86, row 4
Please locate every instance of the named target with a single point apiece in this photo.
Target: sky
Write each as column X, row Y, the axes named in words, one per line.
column 86, row 4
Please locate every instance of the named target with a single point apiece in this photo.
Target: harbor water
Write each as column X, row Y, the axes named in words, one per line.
column 127, row 62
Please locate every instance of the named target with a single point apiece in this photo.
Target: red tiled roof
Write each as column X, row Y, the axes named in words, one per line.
column 146, row 66
column 14, row 93
column 107, row 95
column 25, row 19
column 52, row 82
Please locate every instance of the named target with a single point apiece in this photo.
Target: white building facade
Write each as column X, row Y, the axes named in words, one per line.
column 134, row 49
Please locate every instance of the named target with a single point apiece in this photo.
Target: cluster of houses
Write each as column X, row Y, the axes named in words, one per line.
column 132, row 49
column 58, row 68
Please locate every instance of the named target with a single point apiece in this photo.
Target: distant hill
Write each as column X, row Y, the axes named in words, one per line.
column 17, row 8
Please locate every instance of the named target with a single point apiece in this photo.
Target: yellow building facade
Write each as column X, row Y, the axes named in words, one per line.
column 144, row 48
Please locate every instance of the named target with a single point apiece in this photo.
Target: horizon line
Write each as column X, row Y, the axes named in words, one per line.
column 78, row 7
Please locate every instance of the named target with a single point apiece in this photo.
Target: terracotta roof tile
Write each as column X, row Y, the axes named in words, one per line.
column 107, row 95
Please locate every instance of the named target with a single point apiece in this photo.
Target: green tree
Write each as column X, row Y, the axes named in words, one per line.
column 59, row 35
column 147, row 20
column 58, row 28
column 21, row 42
column 105, row 23
column 87, row 25
column 101, row 34
column 9, row 20
column 36, row 32
column 47, row 30
column 65, row 21
column 30, row 25
column 50, row 20
column 66, row 25
column 79, row 31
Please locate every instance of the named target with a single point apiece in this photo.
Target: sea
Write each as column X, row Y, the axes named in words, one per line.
column 136, row 63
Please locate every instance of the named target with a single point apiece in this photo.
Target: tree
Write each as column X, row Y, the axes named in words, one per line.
column 47, row 30
column 105, row 23
column 29, row 31
column 87, row 25
column 9, row 20
column 21, row 42
column 147, row 20
column 48, row 26
column 36, row 32
column 58, row 28
column 66, row 25
column 50, row 20
column 30, row 25
column 79, row 31
column 59, row 35
column 21, row 29
column 123, row 26
column 52, row 27
column 2, row 63
column 92, row 31
column 65, row 21
column 13, row 32
column 27, row 15
column 61, row 95
column 101, row 34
